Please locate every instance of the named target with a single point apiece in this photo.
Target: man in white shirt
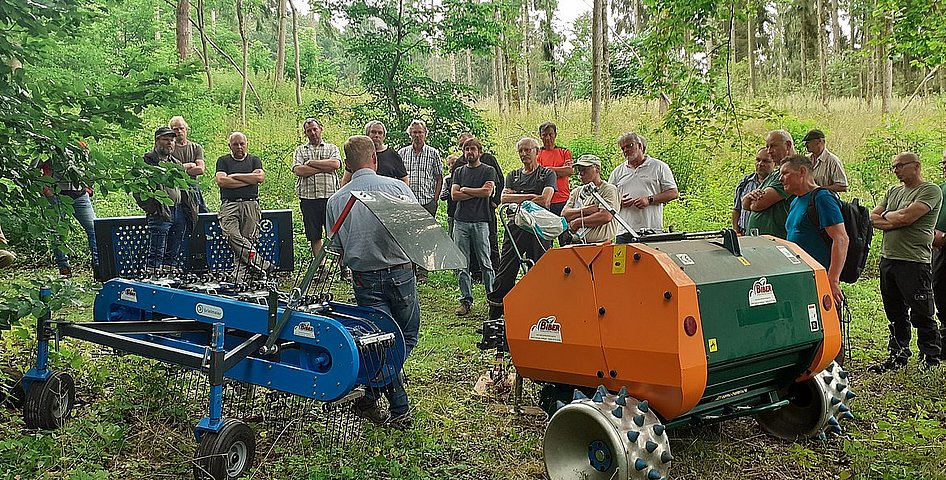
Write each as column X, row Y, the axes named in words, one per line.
column 645, row 185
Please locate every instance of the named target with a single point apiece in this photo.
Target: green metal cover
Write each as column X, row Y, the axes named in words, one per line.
column 759, row 312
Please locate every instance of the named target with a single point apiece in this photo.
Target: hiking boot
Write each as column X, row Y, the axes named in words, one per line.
column 65, row 272
column 463, row 309
column 401, row 421
column 929, row 364
column 369, row 410
column 891, row 363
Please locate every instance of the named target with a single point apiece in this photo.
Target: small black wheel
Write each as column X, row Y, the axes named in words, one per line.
column 226, row 454
column 49, row 404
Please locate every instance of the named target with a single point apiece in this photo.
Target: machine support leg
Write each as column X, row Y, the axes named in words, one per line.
column 214, row 420
column 40, row 373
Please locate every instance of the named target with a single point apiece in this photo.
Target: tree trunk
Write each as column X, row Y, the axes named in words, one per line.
column 241, row 21
column 524, row 79
column 452, row 58
column 780, row 46
column 605, row 57
column 498, row 77
column 295, row 51
column 183, row 29
column 512, row 80
column 822, row 53
column 803, row 55
column 280, row 41
column 469, row 67
column 837, row 40
column 708, row 50
column 636, row 16
column 202, row 29
column 750, row 52
column 596, row 54
column 157, row 23
column 888, row 66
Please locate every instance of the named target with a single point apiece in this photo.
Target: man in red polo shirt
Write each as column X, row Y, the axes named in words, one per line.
column 559, row 160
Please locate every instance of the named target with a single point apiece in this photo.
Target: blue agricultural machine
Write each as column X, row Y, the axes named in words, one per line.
column 243, row 331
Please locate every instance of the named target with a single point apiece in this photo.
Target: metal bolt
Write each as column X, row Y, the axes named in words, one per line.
column 613, row 373
column 601, row 310
column 637, row 257
column 668, row 295
column 568, row 270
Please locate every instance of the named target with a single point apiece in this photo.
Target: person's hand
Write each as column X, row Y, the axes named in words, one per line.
column 836, row 292
column 627, row 201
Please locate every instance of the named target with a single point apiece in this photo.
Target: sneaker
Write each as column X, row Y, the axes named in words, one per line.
column 463, row 309
column 369, row 410
column 891, row 363
column 345, row 274
column 65, row 272
column 401, row 422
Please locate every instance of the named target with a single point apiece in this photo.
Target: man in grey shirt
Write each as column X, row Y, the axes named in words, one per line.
column 382, row 273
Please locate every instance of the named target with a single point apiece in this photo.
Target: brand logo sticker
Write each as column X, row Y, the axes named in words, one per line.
column 761, row 293
column 209, row 311
column 546, row 330
column 129, row 295
column 685, row 259
column 304, row 329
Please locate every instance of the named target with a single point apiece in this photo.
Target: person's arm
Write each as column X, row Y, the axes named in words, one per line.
column 892, row 220
column 770, row 196
column 839, row 244
column 253, row 178
column 735, row 219
column 227, row 181
column 837, row 188
column 329, row 165
column 438, row 183
column 939, row 239
column 197, row 167
column 565, row 170
column 346, row 177
column 644, row 202
column 546, row 197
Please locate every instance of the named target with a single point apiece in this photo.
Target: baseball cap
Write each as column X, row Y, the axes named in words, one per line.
column 588, row 160
column 164, row 132
column 813, row 135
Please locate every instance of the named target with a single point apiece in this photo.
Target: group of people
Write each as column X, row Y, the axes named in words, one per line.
column 776, row 200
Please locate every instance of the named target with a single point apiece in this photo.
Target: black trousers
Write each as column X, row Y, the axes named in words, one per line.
column 907, row 292
column 531, row 247
column 566, row 236
column 939, row 293
column 493, row 246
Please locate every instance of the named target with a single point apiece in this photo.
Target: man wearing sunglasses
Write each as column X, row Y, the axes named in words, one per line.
column 907, row 215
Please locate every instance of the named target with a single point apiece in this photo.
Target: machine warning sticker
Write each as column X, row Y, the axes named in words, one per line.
column 712, row 345
column 761, row 293
column 685, row 259
column 743, row 261
column 618, row 259
column 813, row 317
column 129, row 295
column 546, row 330
column 788, row 254
column 209, row 311
column 304, row 329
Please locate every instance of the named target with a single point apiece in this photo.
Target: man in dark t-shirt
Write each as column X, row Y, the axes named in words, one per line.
column 486, row 158
column 535, row 183
column 238, row 176
column 472, row 188
column 390, row 163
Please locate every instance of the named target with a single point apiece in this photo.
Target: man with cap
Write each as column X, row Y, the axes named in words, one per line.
column 828, row 172
column 588, row 220
column 166, row 223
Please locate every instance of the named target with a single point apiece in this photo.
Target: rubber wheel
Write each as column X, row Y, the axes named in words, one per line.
column 226, row 454
column 49, row 404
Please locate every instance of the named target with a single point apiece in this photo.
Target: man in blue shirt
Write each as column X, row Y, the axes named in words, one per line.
column 798, row 181
column 382, row 273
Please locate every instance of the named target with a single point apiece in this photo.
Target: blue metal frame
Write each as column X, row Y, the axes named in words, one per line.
column 40, row 373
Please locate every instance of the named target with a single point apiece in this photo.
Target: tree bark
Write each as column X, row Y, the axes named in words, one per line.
column 750, row 51
column 202, row 29
column 780, row 47
column 888, row 66
column 280, row 41
column 183, row 30
column 498, row 78
column 605, row 57
column 452, row 58
column 469, row 67
column 837, row 40
column 295, row 51
column 241, row 21
column 525, row 78
column 822, row 53
column 596, row 54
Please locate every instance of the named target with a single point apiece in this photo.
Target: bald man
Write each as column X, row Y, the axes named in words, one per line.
column 239, row 175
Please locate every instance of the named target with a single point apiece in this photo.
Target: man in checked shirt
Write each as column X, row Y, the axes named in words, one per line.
column 315, row 164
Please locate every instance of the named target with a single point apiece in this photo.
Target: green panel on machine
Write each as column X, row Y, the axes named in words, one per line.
column 761, row 305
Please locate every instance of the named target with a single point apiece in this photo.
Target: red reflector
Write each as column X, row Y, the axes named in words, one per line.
column 689, row 325
column 826, row 302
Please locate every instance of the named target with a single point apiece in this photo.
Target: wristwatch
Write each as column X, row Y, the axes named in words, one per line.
column 650, row 200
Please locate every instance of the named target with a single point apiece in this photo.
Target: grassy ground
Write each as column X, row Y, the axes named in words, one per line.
column 130, row 426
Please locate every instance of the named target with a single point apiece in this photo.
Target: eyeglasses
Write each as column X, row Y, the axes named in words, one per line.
column 898, row 166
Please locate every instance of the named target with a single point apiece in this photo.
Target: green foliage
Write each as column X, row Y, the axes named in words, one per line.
column 873, row 167
column 314, row 69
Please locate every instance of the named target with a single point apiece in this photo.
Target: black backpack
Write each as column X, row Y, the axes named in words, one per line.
column 859, row 230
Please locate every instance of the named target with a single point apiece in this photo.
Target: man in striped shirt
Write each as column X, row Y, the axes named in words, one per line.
column 424, row 167
column 315, row 164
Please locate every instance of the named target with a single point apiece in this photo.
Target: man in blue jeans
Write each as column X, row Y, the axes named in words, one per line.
column 81, row 202
column 472, row 187
column 166, row 223
column 382, row 273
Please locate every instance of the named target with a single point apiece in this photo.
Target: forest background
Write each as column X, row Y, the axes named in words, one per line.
column 701, row 80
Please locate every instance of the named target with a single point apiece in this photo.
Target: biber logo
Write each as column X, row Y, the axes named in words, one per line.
column 761, row 293
column 209, row 311
column 129, row 295
column 304, row 329
column 546, row 330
